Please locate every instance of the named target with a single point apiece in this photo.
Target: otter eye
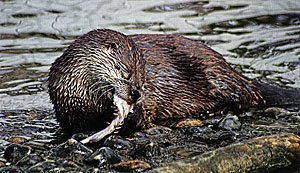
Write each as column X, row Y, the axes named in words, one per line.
column 117, row 67
column 113, row 45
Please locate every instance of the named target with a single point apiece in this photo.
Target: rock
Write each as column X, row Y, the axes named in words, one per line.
column 102, row 157
column 2, row 162
column 139, row 138
column 71, row 147
column 189, row 122
column 67, row 164
column 158, row 130
column 297, row 132
column 116, row 142
column 132, row 165
column 80, row 136
column 227, row 136
column 266, row 153
column 10, row 170
column 198, row 130
column 230, row 122
column 92, row 170
column 277, row 112
column 29, row 160
column 147, row 150
column 246, row 114
column 18, row 139
column 14, row 152
column 46, row 166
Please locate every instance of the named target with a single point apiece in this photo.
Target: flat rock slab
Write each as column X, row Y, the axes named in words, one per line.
column 261, row 153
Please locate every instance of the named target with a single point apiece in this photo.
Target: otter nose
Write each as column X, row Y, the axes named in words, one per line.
column 135, row 95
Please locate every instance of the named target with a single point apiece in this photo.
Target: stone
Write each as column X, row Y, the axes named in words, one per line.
column 71, row 147
column 132, row 165
column 230, row 122
column 116, row 142
column 14, row 152
column 102, row 157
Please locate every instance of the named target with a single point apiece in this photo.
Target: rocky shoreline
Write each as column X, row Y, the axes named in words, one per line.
column 251, row 142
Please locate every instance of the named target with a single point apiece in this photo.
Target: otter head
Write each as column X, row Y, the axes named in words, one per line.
column 119, row 67
column 101, row 68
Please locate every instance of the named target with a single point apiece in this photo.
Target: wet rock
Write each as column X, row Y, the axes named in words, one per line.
column 260, row 154
column 10, row 170
column 147, row 150
column 158, row 130
column 211, row 122
column 132, row 165
column 71, row 147
column 14, row 152
column 139, row 138
column 297, row 132
column 2, row 164
column 230, row 122
column 187, row 153
column 92, row 170
column 29, row 160
column 81, row 136
column 102, row 157
column 277, row 112
column 198, row 130
column 18, row 139
column 246, row 114
column 189, row 122
column 116, row 142
column 46, row 166
column 60, row 165
column 68, row 165
column 227, row 136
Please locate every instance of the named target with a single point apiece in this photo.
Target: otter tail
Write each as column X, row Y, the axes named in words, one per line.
column 279, row 97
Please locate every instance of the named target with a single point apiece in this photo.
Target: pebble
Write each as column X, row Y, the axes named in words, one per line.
column 227, row 136
column 18, row 139
column 277, row 112
column 102, row 157
column 189, row 122
column 92, row 170
column 132, row 165
column 139, row 138
column 148, row 150
column 158, row 130
column 116, row 142
column 71, row 147
column 14, row 152
column 46, row 166
column 10, row 170
column 198, row 130
column 230, row 122
column 30, row 160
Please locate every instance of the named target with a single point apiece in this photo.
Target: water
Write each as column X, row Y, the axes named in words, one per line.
column 261, row 38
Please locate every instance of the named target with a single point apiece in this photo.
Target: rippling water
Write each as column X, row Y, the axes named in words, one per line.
column 260, row 38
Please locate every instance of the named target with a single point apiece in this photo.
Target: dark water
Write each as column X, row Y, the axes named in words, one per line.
column 259, row 38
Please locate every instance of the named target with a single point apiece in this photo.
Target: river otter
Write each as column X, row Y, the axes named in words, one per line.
column 105, row 76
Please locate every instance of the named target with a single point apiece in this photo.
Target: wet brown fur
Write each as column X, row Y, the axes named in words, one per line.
column 176, row 77
column 81, row 85
column 185, row 77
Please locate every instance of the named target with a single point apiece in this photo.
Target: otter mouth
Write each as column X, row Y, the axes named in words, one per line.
column 123, row 109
